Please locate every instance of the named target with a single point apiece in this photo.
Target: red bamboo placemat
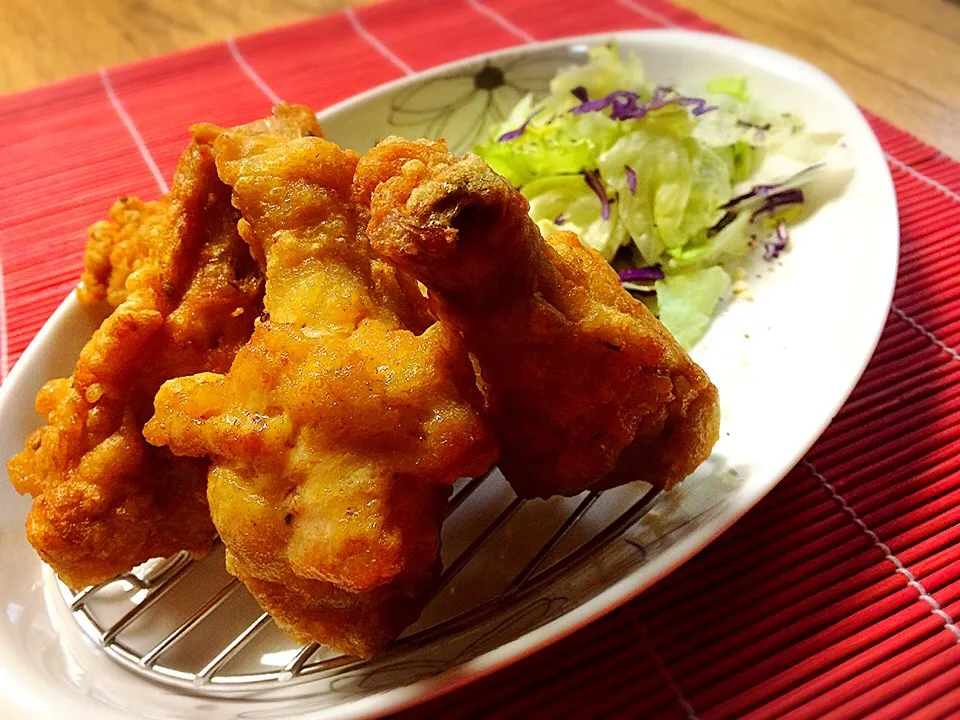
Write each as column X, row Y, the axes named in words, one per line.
column 835, row 597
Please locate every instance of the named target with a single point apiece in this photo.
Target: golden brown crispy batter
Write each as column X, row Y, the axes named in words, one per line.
column 104, row 500
column 586, row 388
column 342, row 423
column 119, row 245
column 133, row 229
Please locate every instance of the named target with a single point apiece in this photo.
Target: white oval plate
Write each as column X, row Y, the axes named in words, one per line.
column 784, row 363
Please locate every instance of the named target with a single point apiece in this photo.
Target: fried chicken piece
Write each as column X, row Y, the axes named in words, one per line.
column 586, row 388
column 341, row 425
column 104, row 500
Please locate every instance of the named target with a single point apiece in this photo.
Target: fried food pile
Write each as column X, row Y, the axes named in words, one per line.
column 341, row 426
column 308, row 348
column 586, row 388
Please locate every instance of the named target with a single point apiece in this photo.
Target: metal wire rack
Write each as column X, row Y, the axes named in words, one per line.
column 146, row 588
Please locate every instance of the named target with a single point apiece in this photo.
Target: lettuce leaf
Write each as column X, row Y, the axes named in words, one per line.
column 688, row 301
column 571, row 199
column 733, row 85
column 604, row 72
column 730, row 243
column 565, row 145
column 679, row 183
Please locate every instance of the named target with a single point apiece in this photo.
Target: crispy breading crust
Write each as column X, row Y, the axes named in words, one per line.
column 586, row 388
column 119, row 245
column 104, row 500
column 341, row 425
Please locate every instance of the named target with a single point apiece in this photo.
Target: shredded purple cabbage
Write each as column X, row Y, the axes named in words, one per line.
column 644, row 274
column 514, row 134
column 764, row 190
column 661, row 91
column 625, row 104
column 621, row 97
column 772, row 202
column 728, row 217
column 755, row 191
column 580, row 93
column 592, row 178
column 631, row 179
column 780, row 240
column 559, row 220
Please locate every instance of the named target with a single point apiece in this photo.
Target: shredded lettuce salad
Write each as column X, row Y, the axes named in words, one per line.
column 673, row 188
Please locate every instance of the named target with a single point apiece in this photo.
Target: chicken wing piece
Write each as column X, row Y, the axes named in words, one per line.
column 341, row 425
column 586, row 388
column 104, row 500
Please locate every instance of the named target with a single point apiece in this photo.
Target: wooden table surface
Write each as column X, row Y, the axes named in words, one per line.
column 899, row 58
